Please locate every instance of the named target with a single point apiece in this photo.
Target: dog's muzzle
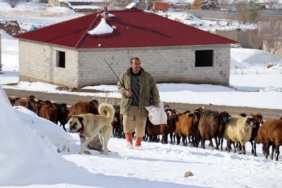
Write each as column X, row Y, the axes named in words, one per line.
column 72, row 129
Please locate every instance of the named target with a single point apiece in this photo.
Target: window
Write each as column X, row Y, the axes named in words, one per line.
column 61, row 59
column 204, row 58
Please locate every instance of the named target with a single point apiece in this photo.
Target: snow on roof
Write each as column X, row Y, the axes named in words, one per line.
column 101, row 28
column 131, row 5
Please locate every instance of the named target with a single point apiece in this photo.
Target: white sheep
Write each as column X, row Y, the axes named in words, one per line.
column 238, row 129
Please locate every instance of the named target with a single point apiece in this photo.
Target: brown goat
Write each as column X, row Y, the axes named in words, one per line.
column 155, row 130
column 172, row 117
column 82, row 107
column 187, row 125
column 13, row 99
column 163, row 129
column 270, row 133
column 212, row 125
column 27, row 102
column 49, row 111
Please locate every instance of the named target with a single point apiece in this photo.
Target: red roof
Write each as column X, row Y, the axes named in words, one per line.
column 133, row 28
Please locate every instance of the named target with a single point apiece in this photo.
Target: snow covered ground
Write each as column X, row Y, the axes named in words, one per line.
column 28, row 143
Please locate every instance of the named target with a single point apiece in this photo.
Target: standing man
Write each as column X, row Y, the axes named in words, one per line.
column 138, row 89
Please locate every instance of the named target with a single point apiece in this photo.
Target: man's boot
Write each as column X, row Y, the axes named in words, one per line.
column 129, row 142
column 138, row 141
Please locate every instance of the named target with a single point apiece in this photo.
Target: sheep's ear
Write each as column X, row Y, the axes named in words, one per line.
column 227, row 114
column 243, row 115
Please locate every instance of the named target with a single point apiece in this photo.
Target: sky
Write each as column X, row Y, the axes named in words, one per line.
column 29, row 144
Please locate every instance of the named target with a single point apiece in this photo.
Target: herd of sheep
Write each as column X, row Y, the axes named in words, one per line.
column 202, row 124
column 190, row 127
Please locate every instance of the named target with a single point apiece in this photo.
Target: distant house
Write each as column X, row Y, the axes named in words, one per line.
column 74, row 53
column 80, row 5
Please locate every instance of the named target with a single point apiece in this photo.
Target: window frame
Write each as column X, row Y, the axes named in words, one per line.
column 61, row 59
column 204, row 58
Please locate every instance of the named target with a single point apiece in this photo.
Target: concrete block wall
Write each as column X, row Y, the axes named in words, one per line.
column 38, row 62
column 88, row 67
column 31, row 57
column 166, row 64
column 69, row 74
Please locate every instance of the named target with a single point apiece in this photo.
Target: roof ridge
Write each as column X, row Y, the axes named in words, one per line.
column 84, row 34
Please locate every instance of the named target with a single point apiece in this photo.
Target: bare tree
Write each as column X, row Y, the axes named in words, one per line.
column 254, row 39
column 254, row 11
column 242, row 8
column 224, row 4
column 267, row 36
column 270, row 31
column 248, row 11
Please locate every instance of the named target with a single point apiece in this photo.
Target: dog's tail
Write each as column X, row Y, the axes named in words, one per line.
column 107, row 110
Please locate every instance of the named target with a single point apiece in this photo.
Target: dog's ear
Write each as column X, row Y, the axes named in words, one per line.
column 80, row 119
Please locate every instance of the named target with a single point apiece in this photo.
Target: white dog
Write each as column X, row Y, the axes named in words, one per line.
column 90, row 125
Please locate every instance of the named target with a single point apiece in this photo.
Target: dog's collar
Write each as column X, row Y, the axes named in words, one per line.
column 81, row 130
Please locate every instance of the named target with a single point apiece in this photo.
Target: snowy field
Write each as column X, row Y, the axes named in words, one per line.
column 28, row 149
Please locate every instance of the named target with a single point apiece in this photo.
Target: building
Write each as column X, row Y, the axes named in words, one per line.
column 75, row 53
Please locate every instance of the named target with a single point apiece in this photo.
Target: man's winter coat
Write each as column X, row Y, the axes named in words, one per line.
column 148, row 94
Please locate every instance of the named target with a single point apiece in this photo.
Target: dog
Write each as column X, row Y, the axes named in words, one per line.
column 89, row 125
